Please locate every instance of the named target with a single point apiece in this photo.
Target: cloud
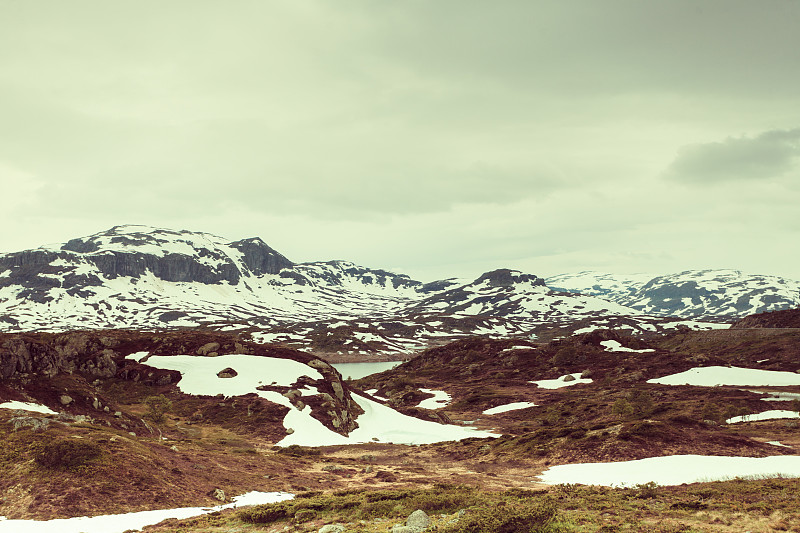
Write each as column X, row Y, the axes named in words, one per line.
column 771, row 154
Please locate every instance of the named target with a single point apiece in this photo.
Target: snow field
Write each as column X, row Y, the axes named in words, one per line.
column 378, row 423
column 118, row 523
column 712, row 376
column 775, row 414
column 672, row 470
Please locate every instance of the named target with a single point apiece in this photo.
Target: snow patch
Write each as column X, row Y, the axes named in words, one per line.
column 672, row 470
column 563, row 381
column 775, row 414
column 616, row 346
column 118, row 523
column 711, row 376
column 440, row 399
column 27, row 406
column 508, row 407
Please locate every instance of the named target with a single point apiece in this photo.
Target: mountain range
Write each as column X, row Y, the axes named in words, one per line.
column 148, row 278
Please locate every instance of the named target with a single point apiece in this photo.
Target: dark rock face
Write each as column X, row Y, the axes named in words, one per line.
column 260, row 258
column 38, row 271
column 505, row 277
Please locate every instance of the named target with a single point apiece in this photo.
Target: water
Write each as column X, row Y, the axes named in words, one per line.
column 360, row 370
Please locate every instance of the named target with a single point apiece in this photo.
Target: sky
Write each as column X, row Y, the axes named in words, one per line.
column 436, row 139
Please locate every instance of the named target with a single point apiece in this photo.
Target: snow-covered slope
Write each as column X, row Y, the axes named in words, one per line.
column 602, row 284
column 513, row 294
column 720, row 293
column 150, row 278
column 693, row 293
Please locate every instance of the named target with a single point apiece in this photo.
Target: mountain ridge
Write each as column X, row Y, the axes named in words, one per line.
column 154, row 278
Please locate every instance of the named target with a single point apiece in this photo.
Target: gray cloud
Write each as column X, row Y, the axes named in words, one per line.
column 771, row 154
column 441, row 132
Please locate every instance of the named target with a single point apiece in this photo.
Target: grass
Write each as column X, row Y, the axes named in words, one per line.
column 737, row 505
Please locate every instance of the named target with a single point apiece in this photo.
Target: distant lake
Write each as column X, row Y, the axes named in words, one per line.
column 360, row 370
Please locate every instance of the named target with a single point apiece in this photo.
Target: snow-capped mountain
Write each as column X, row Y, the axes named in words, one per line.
column 720, row 293
column 150, row 278
column 604, row 284
column 142, row 277
column 694, row 293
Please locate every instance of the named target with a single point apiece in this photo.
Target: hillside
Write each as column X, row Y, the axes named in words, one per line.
column 506, row 412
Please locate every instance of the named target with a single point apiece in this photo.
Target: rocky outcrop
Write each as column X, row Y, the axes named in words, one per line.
column 102, row 354
column 789, row 318
column 70, row 352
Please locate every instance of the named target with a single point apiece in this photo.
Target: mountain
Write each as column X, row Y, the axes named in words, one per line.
column 603, row 284
column 726, row 294
column 151, row 278
column 148, row 278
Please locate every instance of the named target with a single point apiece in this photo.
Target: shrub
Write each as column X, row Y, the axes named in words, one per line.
column 265, row 514
column 304, row 515
column 295, row 450
column 532, row 517
column 66, row 453
column 156, row 407
column 566, row 356
column 622, row 407
column 646, row 490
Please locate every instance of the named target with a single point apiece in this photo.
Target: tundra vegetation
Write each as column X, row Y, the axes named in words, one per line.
column 132, row 441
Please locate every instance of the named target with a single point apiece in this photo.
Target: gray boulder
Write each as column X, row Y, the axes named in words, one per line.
column 332, row 528
column 417, row 522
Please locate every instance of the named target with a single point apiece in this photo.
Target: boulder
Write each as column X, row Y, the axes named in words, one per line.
column 208, row 349
column 227, row 373
column 332, row 528
column 36, row 424
column 418, row 519
column 218, row 494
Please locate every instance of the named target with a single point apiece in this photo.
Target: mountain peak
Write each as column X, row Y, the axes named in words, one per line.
column 505, row 277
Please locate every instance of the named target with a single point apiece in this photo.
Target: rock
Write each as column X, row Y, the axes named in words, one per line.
column 207, row 349
column 418, row 519
column 97, row 404
column 319, row 364
column 569, row 377
column 65, row 399
column 227, row 373
column 332, row 528
column 338, row 389
column 218, row 494
column 36, row 424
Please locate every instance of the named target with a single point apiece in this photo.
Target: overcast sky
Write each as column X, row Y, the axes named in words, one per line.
column 436, row 138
